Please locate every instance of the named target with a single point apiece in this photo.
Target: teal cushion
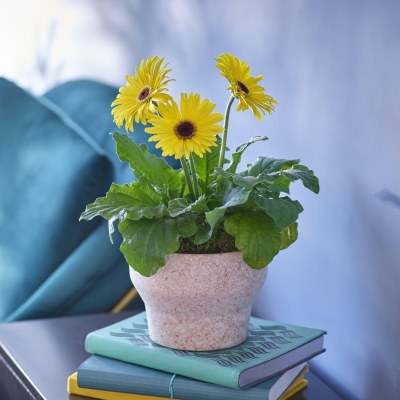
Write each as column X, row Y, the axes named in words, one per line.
column 88, row 103
column 50, row 170
column 92, row 279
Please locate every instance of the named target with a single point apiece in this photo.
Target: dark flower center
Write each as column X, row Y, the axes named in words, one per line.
column 243, row 87
column 144, row 93
column 185, row 130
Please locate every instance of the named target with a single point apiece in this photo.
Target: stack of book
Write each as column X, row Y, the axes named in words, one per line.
column 127, row 364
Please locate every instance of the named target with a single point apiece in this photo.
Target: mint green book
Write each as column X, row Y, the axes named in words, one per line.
column 271, row 348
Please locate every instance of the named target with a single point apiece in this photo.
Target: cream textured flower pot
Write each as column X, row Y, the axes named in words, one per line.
column 200, row 301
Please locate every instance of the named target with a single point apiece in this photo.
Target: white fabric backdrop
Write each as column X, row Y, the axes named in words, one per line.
column 333, row 67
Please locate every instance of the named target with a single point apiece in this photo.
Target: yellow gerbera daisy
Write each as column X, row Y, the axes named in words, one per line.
column 192, row 128
column 244, row 87
column 135, row 101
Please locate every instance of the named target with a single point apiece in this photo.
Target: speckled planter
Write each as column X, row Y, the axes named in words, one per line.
column 200, row 301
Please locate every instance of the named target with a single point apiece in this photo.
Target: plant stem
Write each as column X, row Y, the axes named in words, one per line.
column 194, row 177
column 224, row 138
column 225, row 133
column 187, row 175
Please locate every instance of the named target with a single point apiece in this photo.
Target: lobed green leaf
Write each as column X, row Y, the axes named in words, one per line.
column 274, row 181
column 246, row 182
column 266, row 165
column 159, row 173
column 284, row 211
column 310, row 181
column 257, row 236
column 289, row 235
column 134, row 201
column 232, row 198
column 181, row 205
column 147, row 241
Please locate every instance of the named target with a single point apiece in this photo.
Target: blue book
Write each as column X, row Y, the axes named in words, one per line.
column 110, row 375
column 270, row 349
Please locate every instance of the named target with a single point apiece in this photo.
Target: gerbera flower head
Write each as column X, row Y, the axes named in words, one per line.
column 245, row 87
column 136, row 101
column 192, row 127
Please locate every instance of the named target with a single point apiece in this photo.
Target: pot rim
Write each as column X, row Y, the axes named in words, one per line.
column 206, row 254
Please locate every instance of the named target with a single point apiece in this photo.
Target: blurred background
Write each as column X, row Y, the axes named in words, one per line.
column 334, row 68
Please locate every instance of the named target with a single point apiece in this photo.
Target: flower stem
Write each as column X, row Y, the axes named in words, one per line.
column 187, row 175
column 194, row 177
column 225, row 133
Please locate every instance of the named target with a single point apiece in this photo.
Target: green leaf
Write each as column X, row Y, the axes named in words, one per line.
column 275, row 181
column 178, row 206
column 133, row 201
column 181, row 205
column 246, row 182
column 235, row 197
column 237, row 156
column 214, row 216
column 226, row 187
column 204, row 232
column 279, row 183
column 284, row 211
column 205, row 166
column 289, row 235
column 200, row 205
column 310, row 181
column 136, row 213
column 147, row 241
column 142, row 162
column 268, row 193
column 266, row 165
column 256, row 235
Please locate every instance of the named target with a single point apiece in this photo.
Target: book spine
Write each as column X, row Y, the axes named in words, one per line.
column 119, row 382
column 150, row 386
column 74, row 388
column 196, row 368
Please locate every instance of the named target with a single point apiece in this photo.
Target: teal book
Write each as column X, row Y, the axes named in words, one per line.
column 102, row 373
column 271, row 348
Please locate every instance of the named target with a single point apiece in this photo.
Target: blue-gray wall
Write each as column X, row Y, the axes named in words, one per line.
column 334, row 68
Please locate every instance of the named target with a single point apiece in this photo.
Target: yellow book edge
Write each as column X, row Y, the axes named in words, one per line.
column 73, row 388
column 298, row 384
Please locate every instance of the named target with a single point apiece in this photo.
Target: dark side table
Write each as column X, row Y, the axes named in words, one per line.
column 37, row 357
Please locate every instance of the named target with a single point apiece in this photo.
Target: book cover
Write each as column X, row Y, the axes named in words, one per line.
column 113, row 376
column 270, row 349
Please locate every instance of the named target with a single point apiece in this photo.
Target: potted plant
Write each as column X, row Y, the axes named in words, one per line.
column 198, row 239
